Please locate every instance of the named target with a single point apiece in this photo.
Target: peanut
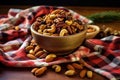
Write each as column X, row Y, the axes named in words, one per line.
column 70, row 72
column 50, row 57
column 83, row 73
column 40, row 71
column 57, row 68
column 89, row 74
column 31, row 56
column 77, row 66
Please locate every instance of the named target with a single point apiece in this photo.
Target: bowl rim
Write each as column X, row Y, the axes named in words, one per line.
column 97, row 29
column 33, row 30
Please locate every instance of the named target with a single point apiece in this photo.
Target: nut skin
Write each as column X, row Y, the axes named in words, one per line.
column 83, row 73
column 37, row 48
column 70, row 67
column 31, row 56
column 40, row 71
column 34, row 70
column 29, row 48
column 77, row 66
column 39, row 53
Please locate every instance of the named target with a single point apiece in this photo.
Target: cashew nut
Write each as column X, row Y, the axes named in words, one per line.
column 52, row 16
column 52, row 30
column 68, row 22
column 42, row 27
column 63, row 32
column 57, row 68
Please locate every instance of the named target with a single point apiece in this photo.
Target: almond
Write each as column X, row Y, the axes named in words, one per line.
column 29, row 48
column 37, row 48
column 31, row 56
column 70, row 67
column 77, row 66
column 39, row 53
column 83, row 73
column 33, row 70
column 40, row 71
column 50, row 57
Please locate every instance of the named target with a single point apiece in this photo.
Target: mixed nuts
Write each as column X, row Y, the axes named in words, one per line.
column 58, row 23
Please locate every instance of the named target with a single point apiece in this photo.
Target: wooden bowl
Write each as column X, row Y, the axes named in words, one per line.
column 58, row 44
column 94, row 33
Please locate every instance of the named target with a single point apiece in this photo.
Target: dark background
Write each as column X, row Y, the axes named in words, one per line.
column 101, row 3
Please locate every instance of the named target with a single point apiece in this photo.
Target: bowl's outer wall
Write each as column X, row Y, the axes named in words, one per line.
column 59, row 44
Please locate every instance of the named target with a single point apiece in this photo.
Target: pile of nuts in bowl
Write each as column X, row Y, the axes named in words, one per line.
column 58, row 23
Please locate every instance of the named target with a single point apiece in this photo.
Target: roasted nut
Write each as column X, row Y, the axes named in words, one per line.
column 31, row 51
column 52, row 30
column 57, row 68
column 31, row 56
column 83, row 73
column 34, row 70
column 89, row 74
column 52, row 16
column 32, row 41
column 17, row 28
column 47, row 34
column 42, row 27
column 56, row 21
column 68, row 22
column 50, row 57
column 37, row 48
column 29, row 48
column 39, row 53
column 55, row 35
column 63, row 32
column 69, row 30
column 40, row 71
column 77, row 66
column 70, row 67
column 39, row 31
column 70, row 72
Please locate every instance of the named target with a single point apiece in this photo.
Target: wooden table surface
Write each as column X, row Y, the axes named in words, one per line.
column 7, row 73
